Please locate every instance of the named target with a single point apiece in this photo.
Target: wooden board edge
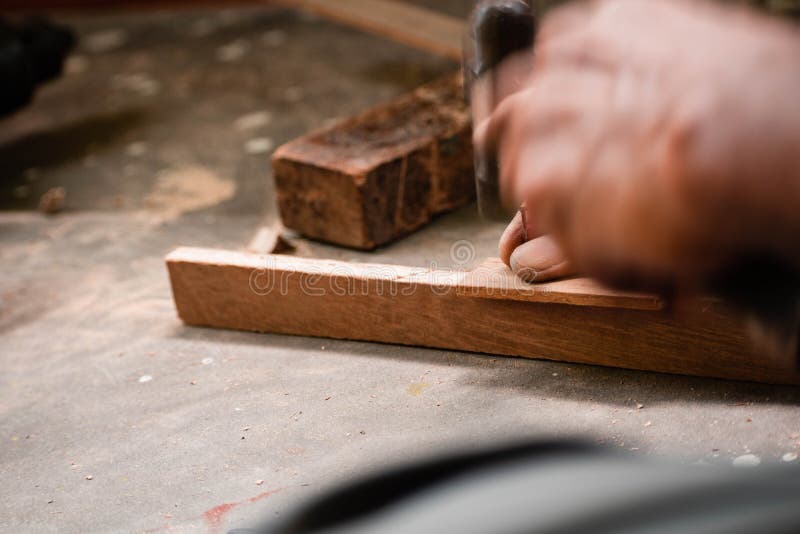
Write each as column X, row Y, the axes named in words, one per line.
column 497, row 283
column 215, row 288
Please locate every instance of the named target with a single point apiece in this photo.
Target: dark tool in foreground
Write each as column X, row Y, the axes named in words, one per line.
column 552, row 486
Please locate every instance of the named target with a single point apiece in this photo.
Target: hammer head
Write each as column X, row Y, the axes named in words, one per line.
column 497, row 30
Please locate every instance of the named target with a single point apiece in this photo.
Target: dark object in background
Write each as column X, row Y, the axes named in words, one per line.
column 31, row 53
column 555, row 487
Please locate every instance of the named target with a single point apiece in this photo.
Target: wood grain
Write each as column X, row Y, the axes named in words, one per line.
column 572, row 320
column 375, row 177
column 493, row 280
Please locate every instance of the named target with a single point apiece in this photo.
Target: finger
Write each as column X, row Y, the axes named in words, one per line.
column 552, row 164
column 574, row 16
column 539, row 260
column 520, row 230
column 583, row 49
column 550, row 133
column 505, row 79
column 534, row 136
column 487, row 135
column 501, row 133
column 512, row 75
column 571, row 118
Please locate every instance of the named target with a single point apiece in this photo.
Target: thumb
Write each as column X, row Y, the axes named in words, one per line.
column 540, row 260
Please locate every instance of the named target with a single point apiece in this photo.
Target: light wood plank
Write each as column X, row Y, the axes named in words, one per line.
column 572, row 321
column 493, row 280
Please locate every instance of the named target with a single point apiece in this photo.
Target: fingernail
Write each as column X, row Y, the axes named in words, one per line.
column 527, row 274
column 523, row 272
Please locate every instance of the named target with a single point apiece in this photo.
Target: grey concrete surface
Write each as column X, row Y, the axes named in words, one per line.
column 117, row 418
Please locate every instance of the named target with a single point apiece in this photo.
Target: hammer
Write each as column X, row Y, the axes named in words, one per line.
column 497, row 30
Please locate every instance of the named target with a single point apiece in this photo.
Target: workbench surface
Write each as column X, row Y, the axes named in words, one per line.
column 117, row 418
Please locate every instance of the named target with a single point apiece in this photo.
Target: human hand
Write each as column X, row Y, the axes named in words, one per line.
column 653, row 143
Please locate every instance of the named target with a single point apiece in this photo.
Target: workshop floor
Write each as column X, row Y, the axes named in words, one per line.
column 117, row 418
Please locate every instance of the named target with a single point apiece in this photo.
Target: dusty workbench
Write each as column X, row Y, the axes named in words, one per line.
column 117, row 418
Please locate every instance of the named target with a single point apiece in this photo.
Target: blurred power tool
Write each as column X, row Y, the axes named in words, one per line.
column 31, row 53
column 497, row 30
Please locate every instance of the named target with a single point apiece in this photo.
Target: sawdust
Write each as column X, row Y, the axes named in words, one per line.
column 184, row 189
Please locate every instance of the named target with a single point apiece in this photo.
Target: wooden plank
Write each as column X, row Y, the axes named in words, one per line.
column 33, row 6
column 406, row 23
column 372, row 178
column 493, row 280
column 572, row 321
